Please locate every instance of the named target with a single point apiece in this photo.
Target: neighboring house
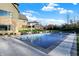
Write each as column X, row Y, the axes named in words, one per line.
column 10, row 20
column 32, row 24
column 35, row 25
column 49, row 27
column 39, row 27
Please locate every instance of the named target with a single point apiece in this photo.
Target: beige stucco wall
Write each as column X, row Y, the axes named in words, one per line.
column 5, row 20
column 21, row 23
column 9, row 7
column 9, row 20
column 14, row 20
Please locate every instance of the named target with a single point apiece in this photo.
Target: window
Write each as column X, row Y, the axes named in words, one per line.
column 4, row 13
column 5, row 27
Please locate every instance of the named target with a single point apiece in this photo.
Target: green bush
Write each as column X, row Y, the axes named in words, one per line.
column 34, row 30
column 24, row 30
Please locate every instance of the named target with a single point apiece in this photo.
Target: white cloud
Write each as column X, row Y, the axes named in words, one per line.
column 54, row 21
column 31, row 11
column 43, row 21
column 74, row 3
column 70, row 11
column 52, row 6
column 64, row 11
column 27, row 14
column 60, row 8
column 48, row 8
column 33, row 18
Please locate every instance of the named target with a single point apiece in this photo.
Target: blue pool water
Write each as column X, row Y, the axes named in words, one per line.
column 44, row 40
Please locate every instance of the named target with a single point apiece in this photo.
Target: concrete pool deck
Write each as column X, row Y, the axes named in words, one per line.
column 66, row 47
column 14, row 47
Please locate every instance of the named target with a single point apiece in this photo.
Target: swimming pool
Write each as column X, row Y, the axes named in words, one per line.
column 44, row 40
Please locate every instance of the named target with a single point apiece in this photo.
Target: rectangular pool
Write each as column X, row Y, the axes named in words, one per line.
column 44, row 41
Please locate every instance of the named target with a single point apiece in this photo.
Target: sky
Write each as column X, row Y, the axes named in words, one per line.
column 49, row 13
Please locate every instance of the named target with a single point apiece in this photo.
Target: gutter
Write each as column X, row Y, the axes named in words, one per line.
column 15, row 7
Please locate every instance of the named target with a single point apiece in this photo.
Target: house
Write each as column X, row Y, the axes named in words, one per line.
column 35, row 25
column 10, row 19
column 49, row 27
column 32, row 24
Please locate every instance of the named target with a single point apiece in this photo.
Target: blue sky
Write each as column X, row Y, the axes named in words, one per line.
column 49, row 13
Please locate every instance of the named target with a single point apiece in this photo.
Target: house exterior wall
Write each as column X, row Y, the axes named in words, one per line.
column 12, row 20
column 9, row 7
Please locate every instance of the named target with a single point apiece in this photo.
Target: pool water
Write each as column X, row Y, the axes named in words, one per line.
column 44, row 40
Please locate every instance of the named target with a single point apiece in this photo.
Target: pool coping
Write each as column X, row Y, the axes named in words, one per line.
column 66, row 47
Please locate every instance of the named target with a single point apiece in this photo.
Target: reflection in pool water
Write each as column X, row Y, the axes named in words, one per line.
column 44, row 40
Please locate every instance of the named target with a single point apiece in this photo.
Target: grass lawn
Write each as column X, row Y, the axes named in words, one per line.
column 78, row 44
column 34, row 31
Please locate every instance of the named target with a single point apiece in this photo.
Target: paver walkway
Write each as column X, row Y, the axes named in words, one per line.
column 65, row 47
column 13, row 47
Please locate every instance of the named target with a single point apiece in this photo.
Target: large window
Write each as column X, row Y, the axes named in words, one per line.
column 4, row 13
column 4, row 27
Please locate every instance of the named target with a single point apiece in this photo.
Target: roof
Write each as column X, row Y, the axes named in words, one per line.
column 15, row 6
column 23, row 17
column 33, row 22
